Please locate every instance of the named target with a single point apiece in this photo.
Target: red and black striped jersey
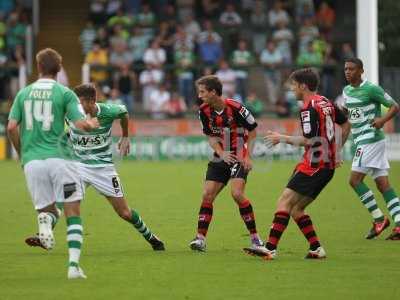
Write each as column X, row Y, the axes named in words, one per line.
column 231, row 125
column 318, row 117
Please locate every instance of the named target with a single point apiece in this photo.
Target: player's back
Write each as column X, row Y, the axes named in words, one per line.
column 41, row 108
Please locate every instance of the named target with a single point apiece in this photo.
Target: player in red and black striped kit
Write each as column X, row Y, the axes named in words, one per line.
column 318, row 117
column 230, row 129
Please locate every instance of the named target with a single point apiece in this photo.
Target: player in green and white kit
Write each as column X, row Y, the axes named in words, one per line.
column 363, row 102
column 94, row 153
column 36, row 123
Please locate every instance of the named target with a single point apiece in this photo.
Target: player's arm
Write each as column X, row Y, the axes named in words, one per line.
column 345, row 126
column 379, row 95
column 124, row 143
column 76, row 115
column 13, row 135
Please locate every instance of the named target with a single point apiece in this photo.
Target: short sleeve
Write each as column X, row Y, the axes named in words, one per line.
column 309, row 122
column 246, row 119
column 118, row 111
column 377, row 94
column 205, row 124
column 340, row 116
column 74, row 112
column 16, row 109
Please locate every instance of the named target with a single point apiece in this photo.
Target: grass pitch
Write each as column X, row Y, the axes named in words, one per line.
column 121, row 265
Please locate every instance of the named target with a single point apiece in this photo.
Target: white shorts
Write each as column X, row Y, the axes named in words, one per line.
column 104, row 179
column 52, row 179
column 371, row 159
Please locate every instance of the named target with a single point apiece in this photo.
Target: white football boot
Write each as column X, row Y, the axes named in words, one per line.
column 46, row 235
column 76, row 273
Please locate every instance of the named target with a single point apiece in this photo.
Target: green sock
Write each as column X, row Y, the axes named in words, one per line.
column 140, row 226
column 393, row 205
column 54, row 219
column 368, row 200
column 74, row 239
column 60, row 205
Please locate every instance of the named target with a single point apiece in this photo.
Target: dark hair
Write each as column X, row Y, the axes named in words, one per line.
column 211, row 82
column 355, row 60
column 49, row 61
column 86, row 91
column 307, row 76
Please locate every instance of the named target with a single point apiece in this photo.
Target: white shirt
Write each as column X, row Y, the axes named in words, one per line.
column 154, row 56
column 278, row 16
column 158, row 99
column 228, row 80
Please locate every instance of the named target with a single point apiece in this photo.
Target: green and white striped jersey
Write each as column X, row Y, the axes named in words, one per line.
column 364, row 104
column 94, row 148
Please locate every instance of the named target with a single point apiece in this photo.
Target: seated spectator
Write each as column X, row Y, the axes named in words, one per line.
column 277, row 15
column 242, row 59
column 254, row 104
column 115, row 98
column 169, row 14
column 138, row 44
column 307, row 33
column 181, row 38
column 185, row 8
column 228, row 79
column 87, row 36
column 2, row 32
column 207, row 9
column 229, row 17
column 159, row 98
column 176, row 106
column 97, row 12
column 191, row 27
column 346, row 52
column 15, row 34
column 165, row 37
column 210, row 51
column 282, row 108
column 155, row 55
column 102, row 38
column 208, row 30
column 325, row 18
column 309, row 57
column 119, row 35
column 304, row 10
column 97, row 57
column 124, row 82
column 258, row 22
column 271, row 58
column 149, row 80
column 184, row 59
column 120, row 18
column 120, row 55
column 146, row 19
column 283, row 37
column 112, row 7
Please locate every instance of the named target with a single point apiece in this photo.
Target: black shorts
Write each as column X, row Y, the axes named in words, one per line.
column 312, row 185
column 222, row 172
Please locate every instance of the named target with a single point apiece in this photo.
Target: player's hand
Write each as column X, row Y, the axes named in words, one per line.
column 377, row 123
column 247, row 164
column 338, row 163
column 124, row 146
column 93, row 123
column 228, row 157
column 272, row 138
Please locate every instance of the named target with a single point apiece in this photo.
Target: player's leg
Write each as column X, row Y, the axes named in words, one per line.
column 43, row 197
column 121, row 207
column 245, row 209
column 391, row 199
column 380, row 222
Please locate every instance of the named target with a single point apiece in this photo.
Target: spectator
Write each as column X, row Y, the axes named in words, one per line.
column 230, row 22
column 325, row 18
column 155, row 55
column 138, row 44
column 207, row 9
column 191, row 27
column 181, row 38
column 278, row 15
column 176, row 106
column 102, row 38
column 228, row 79
column 258, row 22
column 159, row 98
column 328, row 72
column 271, row 58
column 149, row 80
column 17, row 59
column 120, row 55
column 124, row 82
column 242, row 59
column 347, row 52
column 87, row 36
column 97, row 11
column 184, row 59
column 283, row 37
column 146, row 19
column 304, row 10
column 15, row 34
column 210, row 51
column 254, row 104
column 112, row 7
column 309, row 57
column 2, row 32
column 169, row 14
column 307, row 33
column 282, row 108
column 120, row 18
column 115, row 98
column 208, row 30
column 97, row 57
column 166, row 37
column 7, row 6
column 62, row 77
column 120, row 35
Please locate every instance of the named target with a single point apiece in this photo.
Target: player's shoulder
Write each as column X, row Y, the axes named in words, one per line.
column 204, row 107
column 233, row 103
column 111, row 108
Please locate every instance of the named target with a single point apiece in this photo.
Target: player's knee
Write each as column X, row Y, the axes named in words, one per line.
column 125, row 214
column 354, row 182
column 208, row 196
column 383, row 186
column 296, row 212
column 237, row 195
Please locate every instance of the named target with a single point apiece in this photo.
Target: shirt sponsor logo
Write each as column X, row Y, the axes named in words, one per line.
column 305, row 116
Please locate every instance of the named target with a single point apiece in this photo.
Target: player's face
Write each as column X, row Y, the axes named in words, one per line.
column 88, row 105
column 205, row 95
column 297, row 89
column 352, row 72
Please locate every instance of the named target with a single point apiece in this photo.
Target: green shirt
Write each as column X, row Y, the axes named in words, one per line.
column 364, row 105
column 94, row 148
column 40, row 109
